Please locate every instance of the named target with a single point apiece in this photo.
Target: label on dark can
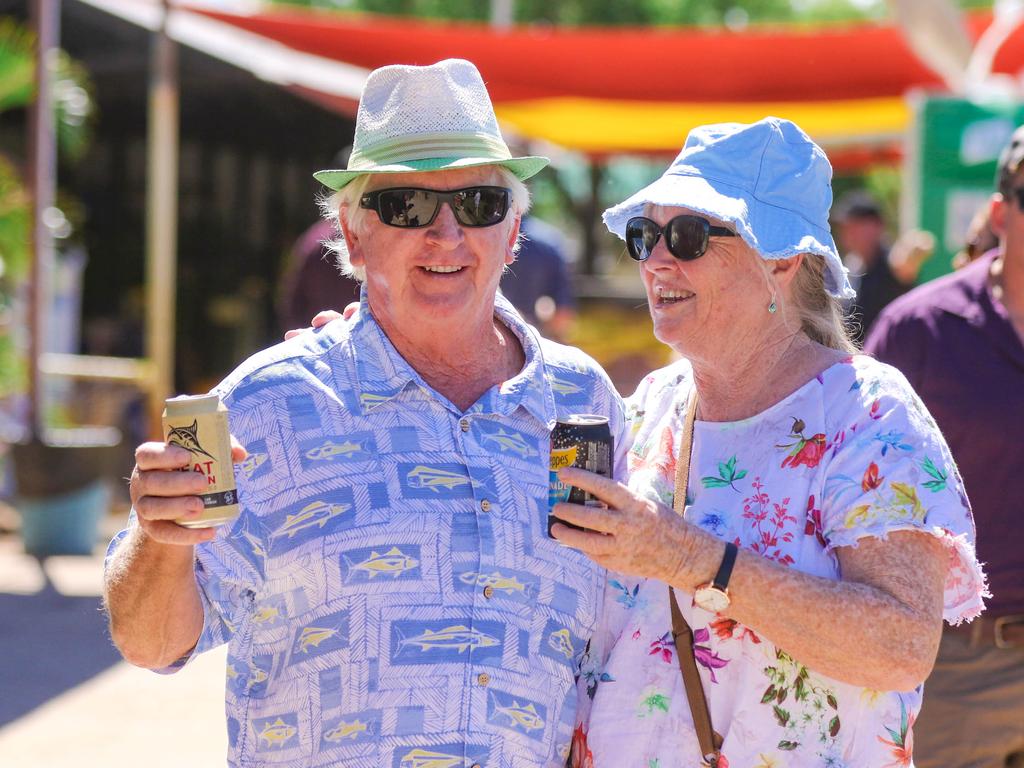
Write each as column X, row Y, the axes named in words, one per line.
column 583, row 441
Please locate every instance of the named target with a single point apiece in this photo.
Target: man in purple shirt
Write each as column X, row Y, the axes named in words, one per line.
column 960, row 341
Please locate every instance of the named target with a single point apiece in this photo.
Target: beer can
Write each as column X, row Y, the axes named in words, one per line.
column 199, row 424
column 582, row 440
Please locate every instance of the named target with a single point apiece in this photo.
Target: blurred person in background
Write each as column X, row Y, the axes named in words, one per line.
column 312, row 278
column 389, row 594
column 960, row 342
column 538, row 283
column 813, row 549
column 879, row 272
column 978, row 240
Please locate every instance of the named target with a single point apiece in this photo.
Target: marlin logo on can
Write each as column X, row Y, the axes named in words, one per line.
column 200, row 426
column 188, row 438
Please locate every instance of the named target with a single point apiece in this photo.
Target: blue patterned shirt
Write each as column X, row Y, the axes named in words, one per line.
column 389, row 594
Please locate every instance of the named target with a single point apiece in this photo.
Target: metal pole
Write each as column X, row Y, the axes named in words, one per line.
column 161, row 216
column 42, row 173
column 502, row 13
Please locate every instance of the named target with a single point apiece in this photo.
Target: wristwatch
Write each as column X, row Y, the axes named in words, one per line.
column 714, row 596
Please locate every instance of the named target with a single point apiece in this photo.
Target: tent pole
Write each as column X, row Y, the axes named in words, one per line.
column 42, row 173
column 503, row 13
column 161, row 216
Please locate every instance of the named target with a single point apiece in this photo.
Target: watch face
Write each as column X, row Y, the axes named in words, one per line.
column 711, row 599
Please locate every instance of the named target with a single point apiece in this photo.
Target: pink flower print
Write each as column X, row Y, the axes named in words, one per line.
column 873, row 413
column 813, row 525
column 663, row 647
column 769, row 520
column 726, row 628
column 805, row 450
column 582, row 757
column 902, row 741
column 872, row 480
column 636, row 635
column 704, row 655
column 666, row 456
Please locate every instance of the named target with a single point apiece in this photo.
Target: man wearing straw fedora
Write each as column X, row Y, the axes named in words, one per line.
column 389, row 594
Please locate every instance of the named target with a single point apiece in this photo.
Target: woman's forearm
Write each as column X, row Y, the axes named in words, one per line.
column 877, row 628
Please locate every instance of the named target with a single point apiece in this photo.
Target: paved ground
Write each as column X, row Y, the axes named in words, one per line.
column 67, row 701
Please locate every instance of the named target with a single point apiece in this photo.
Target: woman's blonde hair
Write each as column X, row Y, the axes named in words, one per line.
column 348, row 197
column 821, row 314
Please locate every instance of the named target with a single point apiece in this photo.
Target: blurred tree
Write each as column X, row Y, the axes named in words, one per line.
column 581, row 190
column 74, row 108
column 612, row 12
column 732, row 13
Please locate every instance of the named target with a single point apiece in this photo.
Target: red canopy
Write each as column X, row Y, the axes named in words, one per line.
column 641, row 89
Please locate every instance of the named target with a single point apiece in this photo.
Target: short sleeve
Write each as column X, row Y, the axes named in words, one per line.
column 889, row 469
column 227, row 587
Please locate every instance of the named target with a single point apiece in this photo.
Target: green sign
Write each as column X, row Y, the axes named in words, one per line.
column 952, row 166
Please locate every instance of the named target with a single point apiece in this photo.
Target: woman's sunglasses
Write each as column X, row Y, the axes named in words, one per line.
column 686, row 237
column 409, row 207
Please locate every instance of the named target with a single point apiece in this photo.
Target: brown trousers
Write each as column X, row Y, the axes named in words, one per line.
column 973, row 711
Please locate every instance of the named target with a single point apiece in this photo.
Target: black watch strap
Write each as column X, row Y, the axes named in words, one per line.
column 725, row 569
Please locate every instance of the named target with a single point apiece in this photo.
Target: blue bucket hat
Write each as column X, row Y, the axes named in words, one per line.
column 767, row 179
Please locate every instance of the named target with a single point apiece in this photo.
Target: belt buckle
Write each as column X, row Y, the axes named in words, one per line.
column 997, row 629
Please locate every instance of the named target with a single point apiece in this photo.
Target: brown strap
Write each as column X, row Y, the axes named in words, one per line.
column 683, row 459
column 710, row 742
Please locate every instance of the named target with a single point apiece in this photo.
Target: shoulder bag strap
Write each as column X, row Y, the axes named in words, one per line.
column 710, row 742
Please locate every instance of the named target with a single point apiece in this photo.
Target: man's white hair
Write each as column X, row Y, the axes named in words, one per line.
column 347, row 199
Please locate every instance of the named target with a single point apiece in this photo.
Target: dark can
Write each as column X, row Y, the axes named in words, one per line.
column 582, row 440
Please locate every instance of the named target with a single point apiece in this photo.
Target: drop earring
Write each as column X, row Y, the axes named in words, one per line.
column 773, row 306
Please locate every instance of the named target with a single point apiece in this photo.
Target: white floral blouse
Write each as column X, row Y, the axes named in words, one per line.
column 852, row 453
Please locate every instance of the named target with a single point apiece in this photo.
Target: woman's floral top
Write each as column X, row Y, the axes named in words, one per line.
column 852, row 453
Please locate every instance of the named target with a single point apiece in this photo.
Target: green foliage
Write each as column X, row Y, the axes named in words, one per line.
column 73, row 105
column 15, row 65
column 14, row 224
column 72, row 96
column 734, row 13
column 603, row 12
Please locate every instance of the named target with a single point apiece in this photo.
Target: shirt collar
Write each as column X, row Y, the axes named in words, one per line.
column 381, row 374
column 529, row 388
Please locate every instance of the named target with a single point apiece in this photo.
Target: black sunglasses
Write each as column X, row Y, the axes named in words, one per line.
column 409, row 207
column 686, row 237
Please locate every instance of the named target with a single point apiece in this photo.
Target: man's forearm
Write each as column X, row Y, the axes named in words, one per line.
column 150, row 591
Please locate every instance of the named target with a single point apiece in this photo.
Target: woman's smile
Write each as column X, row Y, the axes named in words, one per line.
column 665, row 297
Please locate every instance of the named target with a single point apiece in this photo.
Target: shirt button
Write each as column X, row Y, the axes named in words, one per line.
column 488, row 591
column 485, row 506
column 483, row 678
column 464, row 425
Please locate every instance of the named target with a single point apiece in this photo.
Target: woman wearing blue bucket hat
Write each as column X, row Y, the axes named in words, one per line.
column 786, row 612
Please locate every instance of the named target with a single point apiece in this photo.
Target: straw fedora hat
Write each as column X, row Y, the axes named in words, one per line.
column 426, row 119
